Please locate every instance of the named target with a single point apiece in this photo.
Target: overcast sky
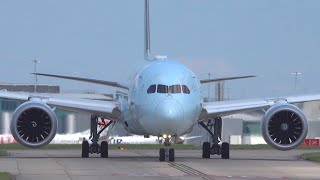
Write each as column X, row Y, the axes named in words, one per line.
column 104, row 39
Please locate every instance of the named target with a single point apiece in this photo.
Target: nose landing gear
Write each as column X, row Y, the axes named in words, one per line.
column 166, row 152
column 216, row 148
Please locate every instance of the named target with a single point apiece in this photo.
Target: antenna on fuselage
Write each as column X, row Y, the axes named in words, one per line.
column 146, row 32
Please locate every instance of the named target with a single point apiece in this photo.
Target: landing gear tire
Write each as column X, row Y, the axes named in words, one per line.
column 225, row 150
column 104, row 149
column 85, row 149
column 162, row 155
column 221, row 150
column 206, row 150
column 171, row 155
column 95, row 148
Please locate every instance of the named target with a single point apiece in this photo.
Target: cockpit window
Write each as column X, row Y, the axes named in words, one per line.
column 162, row 88
column 175, row 89
column 185, row 89
column 152, row 89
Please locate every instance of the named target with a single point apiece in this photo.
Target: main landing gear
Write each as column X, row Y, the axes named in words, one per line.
column 94, row 137
column 166, row 152
column 216, row 148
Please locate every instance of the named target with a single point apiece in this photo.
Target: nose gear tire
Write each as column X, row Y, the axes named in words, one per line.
column 162, row 155
column 171, row 155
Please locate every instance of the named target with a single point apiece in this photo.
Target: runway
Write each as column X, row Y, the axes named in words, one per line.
column 144, row 164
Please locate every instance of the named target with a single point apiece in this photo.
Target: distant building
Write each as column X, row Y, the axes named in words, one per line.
column 68, row 122
column 30, row 88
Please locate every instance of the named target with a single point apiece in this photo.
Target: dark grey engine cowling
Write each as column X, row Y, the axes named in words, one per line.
column 33, row 124
column 284, row 126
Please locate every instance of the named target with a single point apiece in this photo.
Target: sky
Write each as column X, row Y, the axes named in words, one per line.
column 104, row 40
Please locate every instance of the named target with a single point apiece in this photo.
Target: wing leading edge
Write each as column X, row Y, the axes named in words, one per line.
column 95, row 81
column 94, row 107
column 225, row 108
column 203, row 81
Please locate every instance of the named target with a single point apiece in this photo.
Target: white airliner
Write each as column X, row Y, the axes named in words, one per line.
column 7, row 139
column 164, row 101
column 77, row 138
column 136, row 139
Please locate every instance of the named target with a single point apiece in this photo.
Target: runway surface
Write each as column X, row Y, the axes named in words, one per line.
column 144, row 164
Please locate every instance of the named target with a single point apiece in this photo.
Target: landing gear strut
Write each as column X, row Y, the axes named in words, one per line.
column 207, row 149
column 94, row 137
column 166, row 152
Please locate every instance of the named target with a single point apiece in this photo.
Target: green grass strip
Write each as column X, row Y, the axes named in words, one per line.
column 311, row 156
column 111, row 146
column 5, row 176
column 3, row 152
column 144, row 146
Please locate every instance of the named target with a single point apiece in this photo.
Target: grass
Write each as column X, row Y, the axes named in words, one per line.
column 3, row 152
column 50, row 146
column 111, row 146
column 311, row 156
column 265, row 146
column 5, row 176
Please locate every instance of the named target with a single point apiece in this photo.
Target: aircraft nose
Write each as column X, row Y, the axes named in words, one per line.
column 169, row 115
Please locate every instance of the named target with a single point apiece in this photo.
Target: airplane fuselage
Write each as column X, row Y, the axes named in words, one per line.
column 164, row 98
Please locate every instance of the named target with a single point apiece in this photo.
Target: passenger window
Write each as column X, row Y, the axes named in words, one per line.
column 185, row 89
column 174, row 89
column 152, row 89
column 162, row 88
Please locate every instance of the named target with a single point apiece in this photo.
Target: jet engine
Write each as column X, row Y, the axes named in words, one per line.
column 33, row 124
column 284, row 126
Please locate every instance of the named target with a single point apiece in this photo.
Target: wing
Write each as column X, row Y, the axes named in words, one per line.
column 95, row 81
column 94, row 107
column 225, row 108
column 224, row 79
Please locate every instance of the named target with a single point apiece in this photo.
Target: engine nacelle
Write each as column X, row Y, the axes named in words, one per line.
column 33, row 124
column 284, row 126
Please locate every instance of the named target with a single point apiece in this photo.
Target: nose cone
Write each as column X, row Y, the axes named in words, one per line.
column 169, row 117
column 169, row 111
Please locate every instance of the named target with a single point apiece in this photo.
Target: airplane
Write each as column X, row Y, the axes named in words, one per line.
column 7, row 139
column 58, row 139
column 77, row 138
column 164, row 101
column 136, row 139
